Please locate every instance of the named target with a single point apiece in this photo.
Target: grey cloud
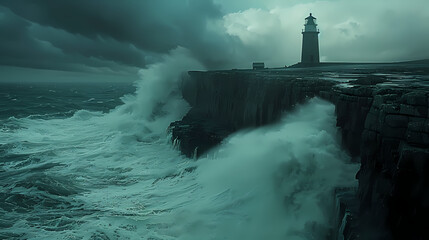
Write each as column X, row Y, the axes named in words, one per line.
column 157, row 26
column 25, row 44
column 16, row 45
column 101, row 48
column 132, row 33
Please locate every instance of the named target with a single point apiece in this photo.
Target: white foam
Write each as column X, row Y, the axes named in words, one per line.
column 270, row 183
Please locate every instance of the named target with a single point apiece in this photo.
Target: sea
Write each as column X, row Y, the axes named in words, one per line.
column 95, row 160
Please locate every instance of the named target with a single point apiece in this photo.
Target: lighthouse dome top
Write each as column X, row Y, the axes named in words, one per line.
column 311, row 16
column 310, row 20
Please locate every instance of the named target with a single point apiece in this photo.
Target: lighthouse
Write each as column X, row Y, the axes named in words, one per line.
column 310, row 42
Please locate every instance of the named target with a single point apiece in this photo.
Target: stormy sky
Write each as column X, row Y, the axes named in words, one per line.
column 123, row 36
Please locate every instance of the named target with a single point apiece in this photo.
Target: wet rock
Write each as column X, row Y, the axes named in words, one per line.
column 409, row 202
column 396, row 121
column 226, row 101
column 384, row 124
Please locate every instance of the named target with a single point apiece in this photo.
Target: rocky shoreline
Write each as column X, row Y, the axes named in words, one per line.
column 382, row 113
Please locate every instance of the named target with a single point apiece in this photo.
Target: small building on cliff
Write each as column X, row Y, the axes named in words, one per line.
column 258, row 65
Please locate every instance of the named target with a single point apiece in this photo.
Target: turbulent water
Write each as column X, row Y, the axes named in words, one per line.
column 79, row 162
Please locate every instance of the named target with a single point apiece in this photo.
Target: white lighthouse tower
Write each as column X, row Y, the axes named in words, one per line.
column 310, row 42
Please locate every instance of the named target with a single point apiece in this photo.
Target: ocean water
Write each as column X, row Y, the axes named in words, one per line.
column 95, row 161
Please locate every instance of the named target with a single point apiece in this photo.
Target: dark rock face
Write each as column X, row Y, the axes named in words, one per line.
column 391, row 133
column 394, row 163
column 383, row 114
column 352, row 106
column 226, row 101
column 197, row 133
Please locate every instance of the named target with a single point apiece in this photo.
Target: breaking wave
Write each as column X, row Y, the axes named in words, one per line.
column 116, row 175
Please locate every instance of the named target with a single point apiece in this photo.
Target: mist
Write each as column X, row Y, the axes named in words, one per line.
column 274, row 182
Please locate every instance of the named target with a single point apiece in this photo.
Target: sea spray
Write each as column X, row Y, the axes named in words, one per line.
column 116, row 175
column 274, row 182
column 157, row 101
column 83, row 176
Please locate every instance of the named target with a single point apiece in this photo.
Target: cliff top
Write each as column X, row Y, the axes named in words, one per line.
column 392, row 75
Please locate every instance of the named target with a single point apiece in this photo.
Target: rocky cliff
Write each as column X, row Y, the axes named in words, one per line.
column 225, row 101
column 382, row 111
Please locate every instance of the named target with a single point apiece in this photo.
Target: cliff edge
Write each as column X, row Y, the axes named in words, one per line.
column 383, row 115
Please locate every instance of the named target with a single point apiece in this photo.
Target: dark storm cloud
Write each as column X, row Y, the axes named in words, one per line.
column 132, row 33
column 25, row 44
column 101, row 48
column 16, row 44
column 155, row 25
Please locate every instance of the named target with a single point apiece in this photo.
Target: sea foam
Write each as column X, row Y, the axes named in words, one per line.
column 116, row 175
